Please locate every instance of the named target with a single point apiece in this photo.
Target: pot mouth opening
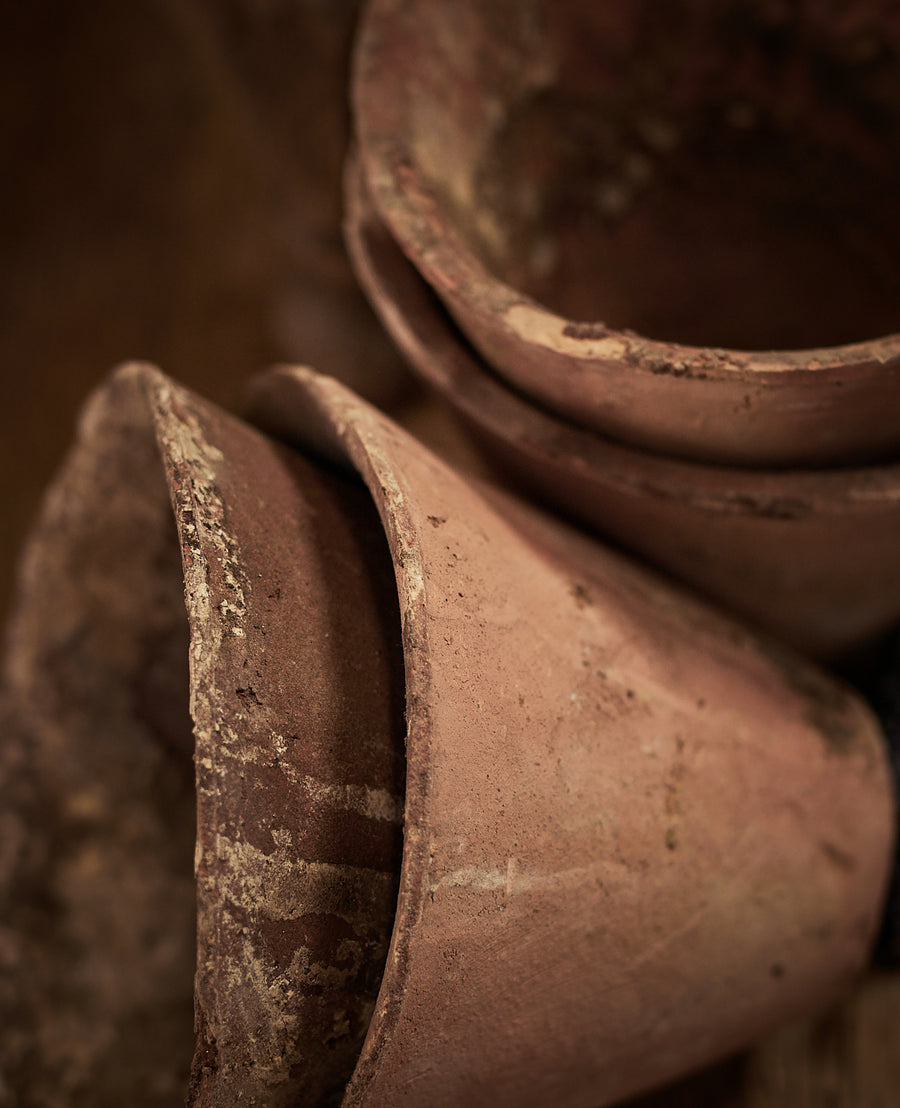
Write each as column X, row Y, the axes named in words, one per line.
column 706, row 174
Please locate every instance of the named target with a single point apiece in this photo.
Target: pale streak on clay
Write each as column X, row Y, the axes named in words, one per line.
column 362, row 799
column 281, row 887
column 543, row 329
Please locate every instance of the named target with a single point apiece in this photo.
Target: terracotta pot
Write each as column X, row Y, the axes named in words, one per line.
column 808, row 555
column 293, row 821
column 634, row 835
column 712, row 186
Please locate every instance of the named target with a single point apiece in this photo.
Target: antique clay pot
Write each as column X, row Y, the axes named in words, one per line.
column 809, row 555
column 634, row 837
column 673, row 224
column 623, row 812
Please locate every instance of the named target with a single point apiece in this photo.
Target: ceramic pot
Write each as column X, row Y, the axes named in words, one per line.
column 672, row 224
column 264, row 962
column 809, row 555
column 634, row 837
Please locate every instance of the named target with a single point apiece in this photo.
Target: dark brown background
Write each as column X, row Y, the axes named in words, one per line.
column 171, row 192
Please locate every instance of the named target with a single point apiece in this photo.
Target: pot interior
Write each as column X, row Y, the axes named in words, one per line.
column 718, row 174
column 109, row 916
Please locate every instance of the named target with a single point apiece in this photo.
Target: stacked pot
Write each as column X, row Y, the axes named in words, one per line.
column 640, row 251
column 714, row 183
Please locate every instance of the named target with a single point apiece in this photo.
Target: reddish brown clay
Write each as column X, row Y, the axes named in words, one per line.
column 721, row 176
column 296, row 696
column 635, row 836
column 809, row 555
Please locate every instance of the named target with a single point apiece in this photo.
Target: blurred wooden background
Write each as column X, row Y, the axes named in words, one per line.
column 171, row 192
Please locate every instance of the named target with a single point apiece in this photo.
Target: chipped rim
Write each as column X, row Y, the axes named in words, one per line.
column 438, row 352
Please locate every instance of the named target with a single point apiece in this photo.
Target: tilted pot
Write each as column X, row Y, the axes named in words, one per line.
column 634, row 836
column 807, row 554
column 674, row 224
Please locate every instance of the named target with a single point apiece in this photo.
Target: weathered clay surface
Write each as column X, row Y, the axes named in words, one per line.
column 808, row 555
column 97, row 887
column 622, row 813
column 671, row 223
column 296, row 697
column 635, row 837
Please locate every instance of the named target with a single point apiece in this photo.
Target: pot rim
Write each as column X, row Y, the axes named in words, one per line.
column 440, row 353
column 584, row 363
column 305, row 406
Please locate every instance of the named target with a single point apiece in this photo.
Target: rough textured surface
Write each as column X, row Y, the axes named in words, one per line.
column 635, row 837
column 810, row 556
column 296, row 696
column 108, row 255
column 588, row 188
column 100, row 901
